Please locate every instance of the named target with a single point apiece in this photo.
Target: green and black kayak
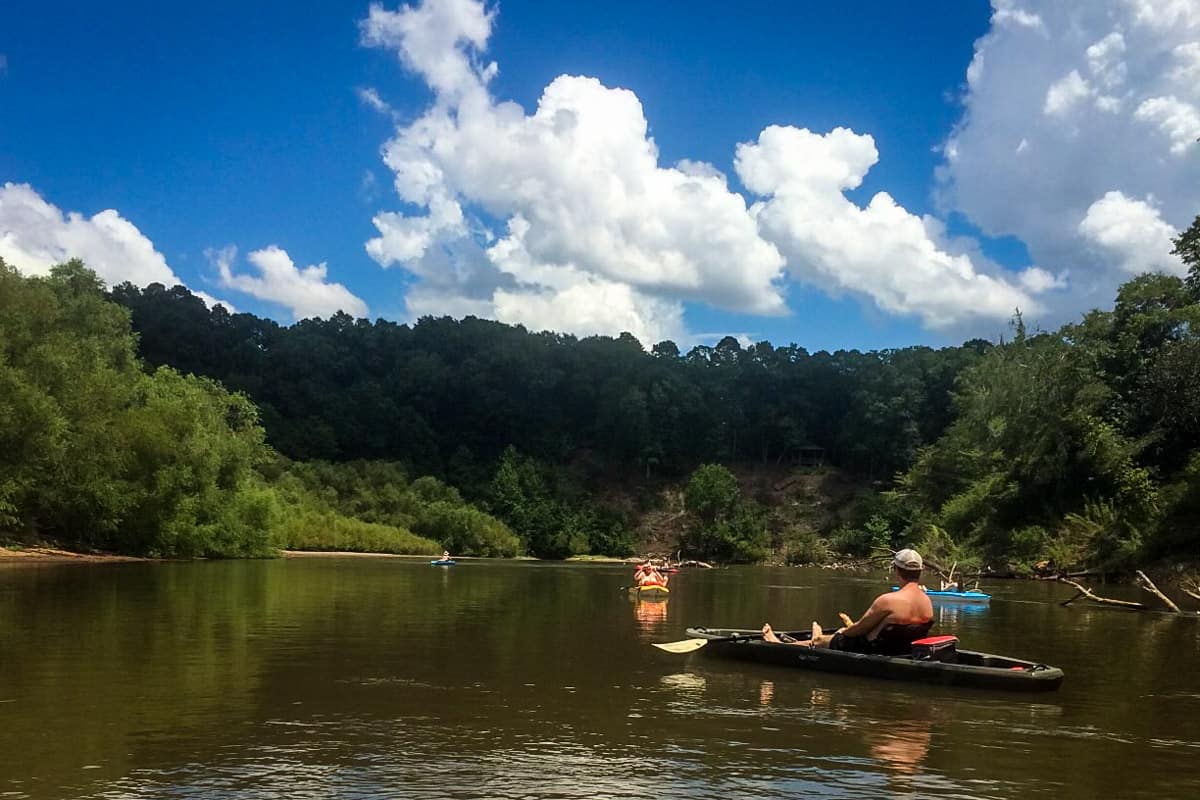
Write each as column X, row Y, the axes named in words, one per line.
column 938, row 662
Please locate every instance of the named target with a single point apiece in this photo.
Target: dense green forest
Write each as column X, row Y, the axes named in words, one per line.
column 146, row 422
column 448, row 397
column 99, row 451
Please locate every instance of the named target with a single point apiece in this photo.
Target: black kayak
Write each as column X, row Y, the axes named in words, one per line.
column 948, row 667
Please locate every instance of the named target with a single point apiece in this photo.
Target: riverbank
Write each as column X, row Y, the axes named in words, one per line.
column 37, row 555
column 357, row 554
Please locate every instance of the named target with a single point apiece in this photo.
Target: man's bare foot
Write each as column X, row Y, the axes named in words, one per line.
column 778, row 638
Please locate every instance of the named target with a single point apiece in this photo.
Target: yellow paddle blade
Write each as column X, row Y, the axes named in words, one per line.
column 845, row 618
column 686, row 646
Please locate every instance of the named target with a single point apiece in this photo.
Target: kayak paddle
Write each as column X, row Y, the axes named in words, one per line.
column 690, row 645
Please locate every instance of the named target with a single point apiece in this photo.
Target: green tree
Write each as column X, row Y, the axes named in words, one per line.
column 724, row 527
column 1187, row 247
column 106, row 456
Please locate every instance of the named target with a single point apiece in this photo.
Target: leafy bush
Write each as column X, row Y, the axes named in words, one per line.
column 380, row 510
column 874, row 534
column 309, row 529
column 467, row 530
column 805, row 547
column 712, row 493
column 723, row 527
column 553, row 517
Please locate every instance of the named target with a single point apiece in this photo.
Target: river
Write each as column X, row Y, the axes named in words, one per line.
column 382, row 678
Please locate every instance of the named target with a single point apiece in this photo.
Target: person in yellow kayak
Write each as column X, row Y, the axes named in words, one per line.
column 647, row 575
column 892, row 623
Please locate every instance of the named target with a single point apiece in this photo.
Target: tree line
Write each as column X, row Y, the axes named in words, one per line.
column 1077, row 448
column 102, row 451
column 141, row 420
column 448, row 396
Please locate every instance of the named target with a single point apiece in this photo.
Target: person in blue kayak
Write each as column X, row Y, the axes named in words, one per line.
column 445, row 555
column 892, row 623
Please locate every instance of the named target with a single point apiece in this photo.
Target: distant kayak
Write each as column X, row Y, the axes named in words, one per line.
column 443, row 562
column 969, row 597
column 649, row 590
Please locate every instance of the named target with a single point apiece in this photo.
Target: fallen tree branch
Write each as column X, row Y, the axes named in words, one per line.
column 1087, row 593
column 1191, row 591
column 1055, row 576
column 1149, row 586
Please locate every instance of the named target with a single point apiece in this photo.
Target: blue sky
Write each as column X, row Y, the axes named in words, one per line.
column 232, row 146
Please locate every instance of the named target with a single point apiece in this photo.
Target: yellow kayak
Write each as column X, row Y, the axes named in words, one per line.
column 649, row 590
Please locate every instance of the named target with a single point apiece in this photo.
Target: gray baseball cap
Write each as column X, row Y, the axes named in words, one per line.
column 908, row 559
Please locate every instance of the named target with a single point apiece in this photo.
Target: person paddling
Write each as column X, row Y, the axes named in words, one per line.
column 889, row 626
column 647, row 575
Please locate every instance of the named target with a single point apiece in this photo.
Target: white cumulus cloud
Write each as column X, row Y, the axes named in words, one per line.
column 1065, row 94
column 35, row 235
column 1133, row 233
column 565, row 218
column 595, row 234
column 1187, row 63
column 1038, row 280
column 305, row 292
column 1178, row 120
column 1099, row 104
column 1008, row 12
column 883, row 251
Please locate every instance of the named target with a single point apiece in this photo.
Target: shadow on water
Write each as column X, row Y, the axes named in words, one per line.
column 374, row 678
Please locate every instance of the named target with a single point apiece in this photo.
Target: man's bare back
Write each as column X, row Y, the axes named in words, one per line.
column 909, row 606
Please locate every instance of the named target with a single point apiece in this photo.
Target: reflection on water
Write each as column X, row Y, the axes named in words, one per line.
column 650, row 613
column 901, row 745
column 373, row 679
column 686, row 684
column 949, row 615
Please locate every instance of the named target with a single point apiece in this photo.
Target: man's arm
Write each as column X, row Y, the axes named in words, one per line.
column 874, row 615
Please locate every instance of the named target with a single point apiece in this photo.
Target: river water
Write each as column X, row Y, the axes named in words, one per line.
column 382, row 678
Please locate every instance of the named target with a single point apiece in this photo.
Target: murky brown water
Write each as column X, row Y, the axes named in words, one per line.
column 364, row 678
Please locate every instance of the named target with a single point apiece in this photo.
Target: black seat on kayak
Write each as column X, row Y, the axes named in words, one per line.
column 896, row 640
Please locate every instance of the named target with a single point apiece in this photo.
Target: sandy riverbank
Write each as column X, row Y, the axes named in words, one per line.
column 39, row 555
column 347, row 554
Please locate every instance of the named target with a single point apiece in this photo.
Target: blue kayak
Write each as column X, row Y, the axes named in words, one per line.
column 442, row 562
column 966, row 597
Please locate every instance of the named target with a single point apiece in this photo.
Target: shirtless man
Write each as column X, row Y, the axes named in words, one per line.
column 647, row 575
column 890, row 625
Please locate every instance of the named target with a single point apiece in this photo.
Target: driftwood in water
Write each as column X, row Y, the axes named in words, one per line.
column 1191, row 590
column 1085, row 592
column 1144, row 582
column 1054, row 577
column 1149, row 586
